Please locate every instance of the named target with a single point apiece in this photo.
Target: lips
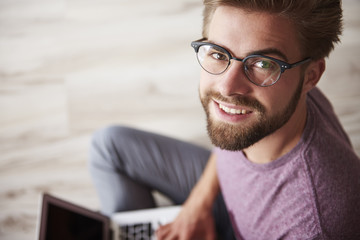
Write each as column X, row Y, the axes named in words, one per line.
column 233, row 111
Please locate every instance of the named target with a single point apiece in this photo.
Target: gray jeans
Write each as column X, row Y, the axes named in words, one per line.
column 126, row 165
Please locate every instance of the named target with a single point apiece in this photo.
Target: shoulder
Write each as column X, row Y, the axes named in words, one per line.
column 323, row 120
column 334, row 170
column 327, row 145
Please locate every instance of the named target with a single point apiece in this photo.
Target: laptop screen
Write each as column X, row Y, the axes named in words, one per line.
column 64, row 220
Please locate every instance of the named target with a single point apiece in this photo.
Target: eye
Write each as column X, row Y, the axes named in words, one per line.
column 264, row 64
column 219, row 56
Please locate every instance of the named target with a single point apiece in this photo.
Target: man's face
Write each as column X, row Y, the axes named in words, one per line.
column 240, row 113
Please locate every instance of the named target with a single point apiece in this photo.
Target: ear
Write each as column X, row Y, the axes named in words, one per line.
column 313, row 73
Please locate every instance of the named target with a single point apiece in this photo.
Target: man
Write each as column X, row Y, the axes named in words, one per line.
column 282, row 162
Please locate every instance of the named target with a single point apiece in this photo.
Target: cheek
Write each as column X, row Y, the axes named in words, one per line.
column 278, row 96
column 205, row 83
column 265, row 98
column 273, row 97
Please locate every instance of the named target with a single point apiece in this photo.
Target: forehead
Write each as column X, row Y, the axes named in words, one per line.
column 243, row 32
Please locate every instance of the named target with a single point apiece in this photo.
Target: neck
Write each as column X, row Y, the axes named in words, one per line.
column 281, row 141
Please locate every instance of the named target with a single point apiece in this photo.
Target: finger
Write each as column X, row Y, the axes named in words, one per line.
column 163, row 231
column 188, row 234
column 173, row 233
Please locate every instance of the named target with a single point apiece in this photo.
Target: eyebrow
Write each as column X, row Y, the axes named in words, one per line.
column 266, row 51
column 270, row 51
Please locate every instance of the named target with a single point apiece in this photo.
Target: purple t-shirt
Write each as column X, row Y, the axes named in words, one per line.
column 312, row 192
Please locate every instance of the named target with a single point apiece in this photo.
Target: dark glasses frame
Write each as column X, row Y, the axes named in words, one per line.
column 283, row 65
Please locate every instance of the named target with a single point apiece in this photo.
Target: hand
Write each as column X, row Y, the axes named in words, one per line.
column 190, row 224
column 195, row 221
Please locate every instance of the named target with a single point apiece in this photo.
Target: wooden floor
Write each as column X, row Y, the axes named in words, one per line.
column 70, row 67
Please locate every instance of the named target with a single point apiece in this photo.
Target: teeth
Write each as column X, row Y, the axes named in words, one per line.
column 232, row 110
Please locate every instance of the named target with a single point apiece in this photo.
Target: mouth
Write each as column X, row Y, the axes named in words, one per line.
column 233, row 111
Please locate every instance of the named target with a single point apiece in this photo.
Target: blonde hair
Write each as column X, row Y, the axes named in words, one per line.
column 318, row 22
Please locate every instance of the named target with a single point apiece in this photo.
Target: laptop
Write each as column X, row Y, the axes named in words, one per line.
column 60, row 219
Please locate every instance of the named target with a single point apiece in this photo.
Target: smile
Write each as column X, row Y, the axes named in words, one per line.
column 233, row 111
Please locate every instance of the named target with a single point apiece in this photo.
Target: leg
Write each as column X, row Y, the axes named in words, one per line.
column 127, row 164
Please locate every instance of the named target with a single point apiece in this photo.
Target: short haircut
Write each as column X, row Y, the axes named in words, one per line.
column 318, row 22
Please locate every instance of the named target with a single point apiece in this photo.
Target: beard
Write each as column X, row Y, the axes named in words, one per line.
column 238, row 137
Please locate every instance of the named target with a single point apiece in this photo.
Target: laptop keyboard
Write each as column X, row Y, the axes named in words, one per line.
column 140, row 231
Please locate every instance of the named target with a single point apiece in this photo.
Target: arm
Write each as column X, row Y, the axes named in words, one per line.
column 195, row 218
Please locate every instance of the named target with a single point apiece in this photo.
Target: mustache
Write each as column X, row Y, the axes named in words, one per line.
column 245, row 101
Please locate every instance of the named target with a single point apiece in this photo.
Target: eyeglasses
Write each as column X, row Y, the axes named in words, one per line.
column 261, row 70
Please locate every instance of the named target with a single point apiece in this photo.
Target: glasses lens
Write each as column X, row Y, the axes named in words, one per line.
column 213, row 59
column 262, row 71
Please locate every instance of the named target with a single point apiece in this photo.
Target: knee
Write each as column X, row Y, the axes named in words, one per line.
column 105, row 143
column 105, row 137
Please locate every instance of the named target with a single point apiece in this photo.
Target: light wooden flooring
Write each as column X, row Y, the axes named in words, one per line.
column 70, row 67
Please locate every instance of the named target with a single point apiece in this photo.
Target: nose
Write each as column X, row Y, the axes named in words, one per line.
column 234, row 81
